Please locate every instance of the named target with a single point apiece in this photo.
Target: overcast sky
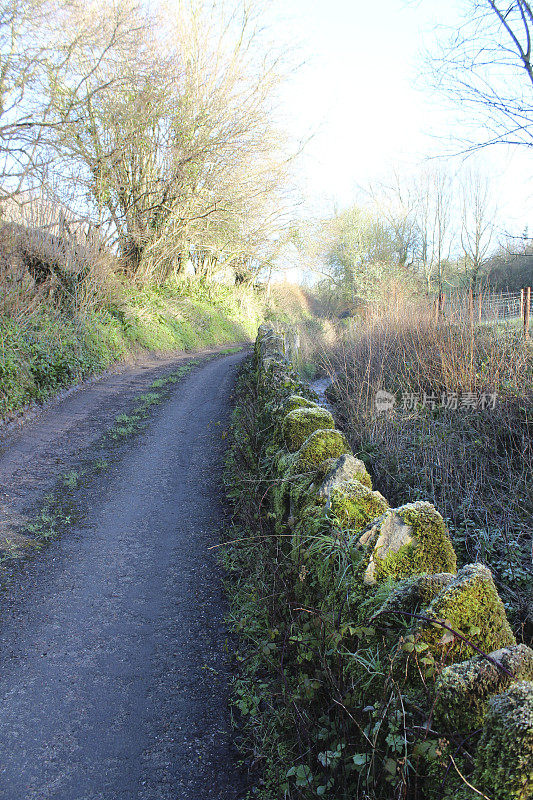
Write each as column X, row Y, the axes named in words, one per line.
column 362, row 93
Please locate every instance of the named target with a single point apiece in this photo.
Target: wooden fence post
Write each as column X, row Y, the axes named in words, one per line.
column 526, row 310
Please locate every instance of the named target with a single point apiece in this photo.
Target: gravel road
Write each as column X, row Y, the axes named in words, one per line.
column 113, row 652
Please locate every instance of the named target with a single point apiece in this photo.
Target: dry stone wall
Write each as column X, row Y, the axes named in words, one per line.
column 446, row 626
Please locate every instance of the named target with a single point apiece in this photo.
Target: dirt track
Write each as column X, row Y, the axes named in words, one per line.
column 113, row 665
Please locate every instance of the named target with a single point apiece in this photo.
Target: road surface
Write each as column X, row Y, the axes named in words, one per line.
column 113, row 651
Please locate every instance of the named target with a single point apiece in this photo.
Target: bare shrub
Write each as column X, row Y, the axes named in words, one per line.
column 48, row 255
column 443, row 441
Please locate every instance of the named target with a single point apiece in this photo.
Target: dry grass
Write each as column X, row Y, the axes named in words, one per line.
column 474, row 464
column 47, row 257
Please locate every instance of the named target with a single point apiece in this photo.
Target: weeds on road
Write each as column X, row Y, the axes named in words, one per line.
column 59, row 509
column 127, row 424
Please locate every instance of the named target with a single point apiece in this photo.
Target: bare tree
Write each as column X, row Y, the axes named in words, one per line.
column 397, row 200
column 172, row 137
column 486, row 66
column 477, row 225
column 433, row 216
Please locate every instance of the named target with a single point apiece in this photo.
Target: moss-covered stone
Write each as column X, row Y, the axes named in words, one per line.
column 269, row 343
column 319, row 446
column 463, row 689
column 353, row 505
column 342, row 470
column 410, row 595
column 504, row 756
column 471, row 606
column 299, row 424
column 295, row 401
column 410, row 540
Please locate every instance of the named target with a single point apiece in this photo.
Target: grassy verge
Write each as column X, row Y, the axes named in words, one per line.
column 49, row 349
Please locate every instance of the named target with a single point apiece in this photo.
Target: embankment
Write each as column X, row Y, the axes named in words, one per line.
column 50, row 349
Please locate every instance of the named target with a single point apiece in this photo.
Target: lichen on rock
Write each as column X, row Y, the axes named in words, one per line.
column 300, row 423
column 295, row 401
column 470, row 605
column 411, row 594
column 463, row 689
column 504, row 756
column 344, row 469
column 410, row 540
column 269, row 343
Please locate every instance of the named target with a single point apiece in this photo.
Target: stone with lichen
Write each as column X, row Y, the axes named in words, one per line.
column 504, row 756
column 470, row 605
column 410, row 595
column 300, row 423
column 295, row 401
column 409, row 540
column 341, row 470
column 269, row 343
column 463, row 689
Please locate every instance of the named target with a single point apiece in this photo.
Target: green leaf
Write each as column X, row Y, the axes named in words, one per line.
column 359, row 760
column 390, row 766
column 291, row 772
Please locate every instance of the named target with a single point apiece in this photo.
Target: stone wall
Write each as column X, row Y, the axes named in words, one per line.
column 444, row 628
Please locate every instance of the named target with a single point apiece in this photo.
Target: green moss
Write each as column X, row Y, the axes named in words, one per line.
column 471, row 606
column 412, row 594
column 295, row 401
column 52, row 349
column 317, row 447
column 463, row 689
column 504, row 758
column 277, row 380
column 429, row 550
column 299, row 424
column 354, row 505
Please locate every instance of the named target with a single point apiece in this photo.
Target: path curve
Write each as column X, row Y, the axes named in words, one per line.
column 113, row 651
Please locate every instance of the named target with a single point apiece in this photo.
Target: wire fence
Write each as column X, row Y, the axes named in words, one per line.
column 483, row 306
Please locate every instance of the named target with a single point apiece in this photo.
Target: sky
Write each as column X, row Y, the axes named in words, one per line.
column 361, row 96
